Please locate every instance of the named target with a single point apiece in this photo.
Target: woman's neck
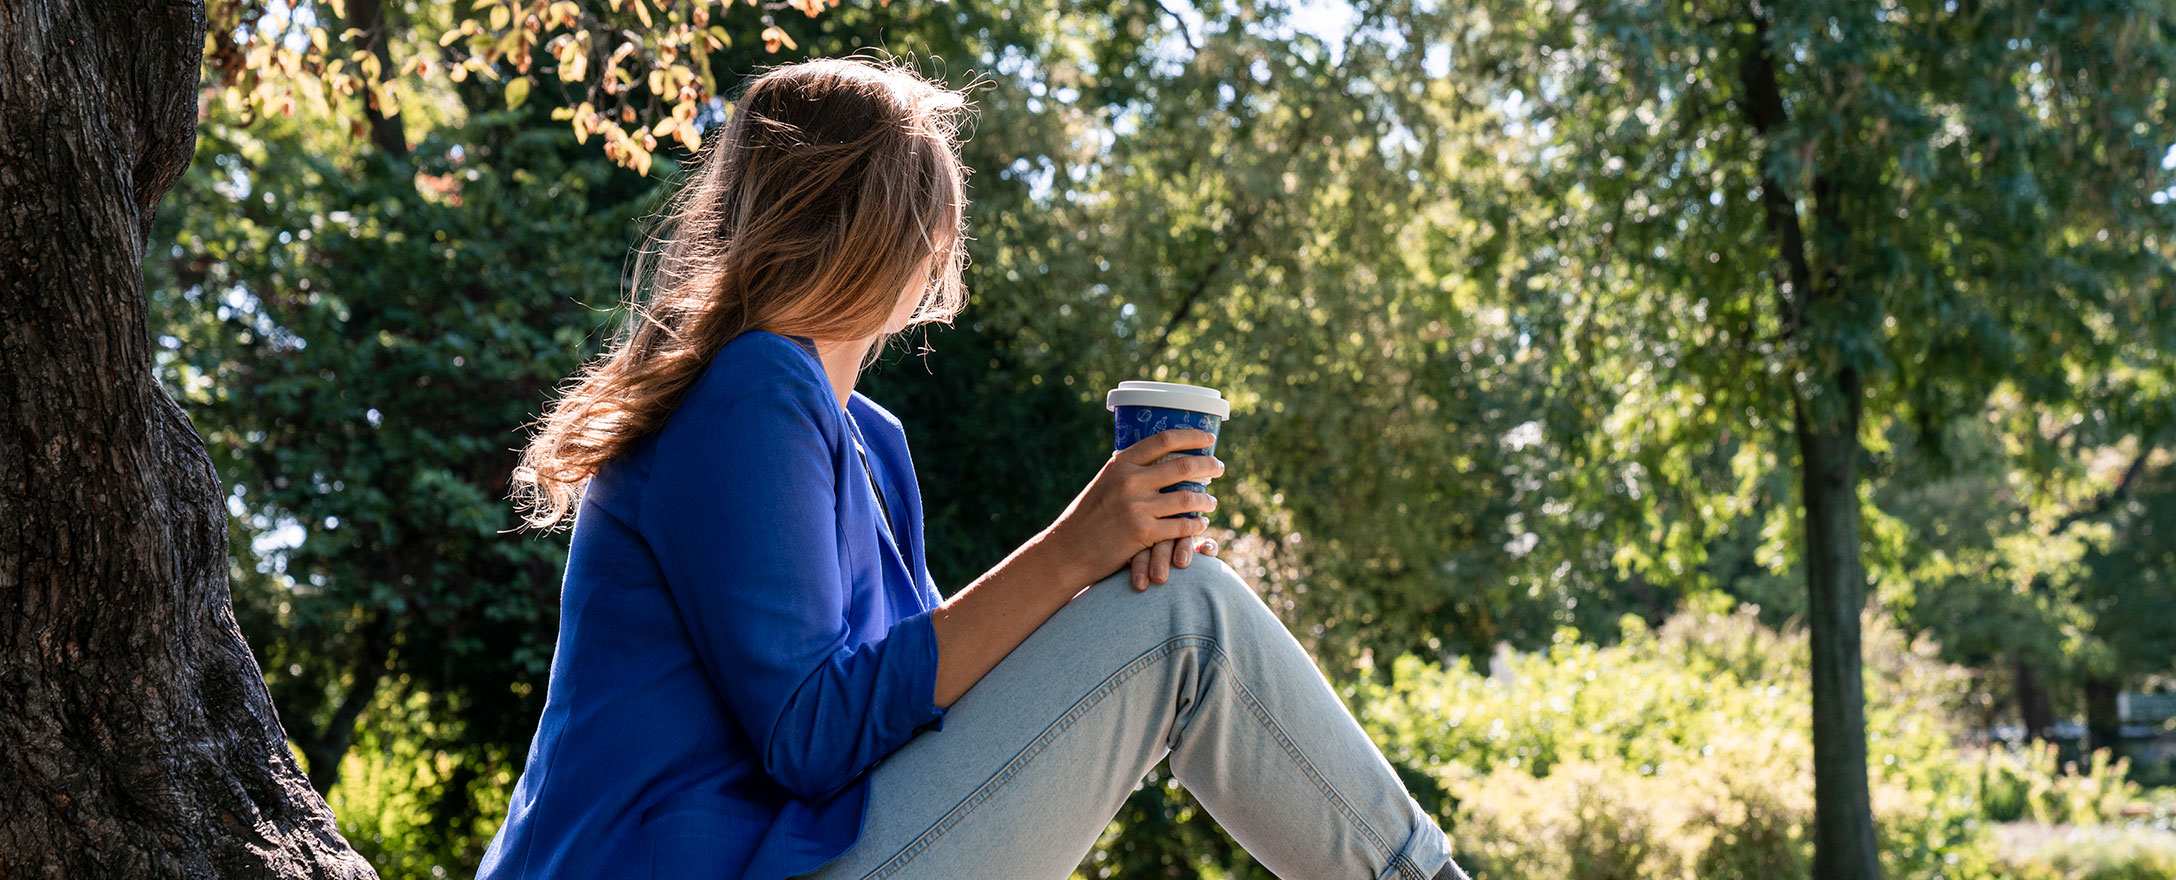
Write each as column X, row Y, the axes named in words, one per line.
column 842, row 364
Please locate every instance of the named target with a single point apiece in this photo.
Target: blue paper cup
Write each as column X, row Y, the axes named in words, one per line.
column 1140, row 410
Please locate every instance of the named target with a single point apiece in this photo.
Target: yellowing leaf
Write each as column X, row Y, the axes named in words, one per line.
column 642, row 11
column 500, row 18
column 384, row 100
column 517, row 91
column 317, row 38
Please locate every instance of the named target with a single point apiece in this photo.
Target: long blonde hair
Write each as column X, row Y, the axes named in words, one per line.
column 833, row 184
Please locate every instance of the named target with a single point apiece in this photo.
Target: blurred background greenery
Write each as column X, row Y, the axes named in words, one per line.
column 1493, row 287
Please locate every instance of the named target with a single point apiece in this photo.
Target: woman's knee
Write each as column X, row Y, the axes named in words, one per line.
column 1214, row 581
column 1205, row 598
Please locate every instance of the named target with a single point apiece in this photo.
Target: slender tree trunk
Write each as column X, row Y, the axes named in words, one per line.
column 326, row 750
column 2034, row 709
column 139, row 739
column 2103, row 727
column 385, row 131
column 1844, row 845
column 1827, row 428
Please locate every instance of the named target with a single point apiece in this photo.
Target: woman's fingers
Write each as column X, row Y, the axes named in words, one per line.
column 1182, row 469
column 1164, row 504
column 1156, row 445
column 1153, row 565
column 1178, row 528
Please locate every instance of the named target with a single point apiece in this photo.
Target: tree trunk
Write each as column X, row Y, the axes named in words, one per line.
column 139, row 737
column 2103, row 727
column 1844, row 845
column 1827, row 426
column 385, row 131
column 326, row 750
column 2034, row 709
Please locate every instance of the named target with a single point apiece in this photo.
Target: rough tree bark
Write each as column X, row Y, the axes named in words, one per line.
column 139, row 739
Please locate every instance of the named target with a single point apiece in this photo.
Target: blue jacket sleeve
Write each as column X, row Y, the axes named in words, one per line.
column 740, row 510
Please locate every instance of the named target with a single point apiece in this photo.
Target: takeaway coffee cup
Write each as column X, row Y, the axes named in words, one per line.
column 1140, row 410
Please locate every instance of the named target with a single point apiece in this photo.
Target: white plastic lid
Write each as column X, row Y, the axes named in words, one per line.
column 1172, row 395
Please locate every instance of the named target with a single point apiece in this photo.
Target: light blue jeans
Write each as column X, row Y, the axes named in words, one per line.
column 1036, row 758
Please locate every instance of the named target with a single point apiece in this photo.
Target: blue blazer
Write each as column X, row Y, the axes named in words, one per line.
column 740, row 638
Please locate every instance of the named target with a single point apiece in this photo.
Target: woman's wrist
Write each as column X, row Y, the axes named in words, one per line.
column 1051, row 560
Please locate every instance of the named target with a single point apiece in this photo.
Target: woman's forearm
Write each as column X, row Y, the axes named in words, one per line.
column 1121, row 511
column 981, row 624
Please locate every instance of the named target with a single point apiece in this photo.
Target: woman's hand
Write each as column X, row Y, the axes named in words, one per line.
column 1123, row 511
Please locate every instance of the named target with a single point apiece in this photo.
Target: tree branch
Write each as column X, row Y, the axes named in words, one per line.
column 1232, row 243
column 2147, row 445
column 1185, row 33
column 1248, row 219
column 331, row 743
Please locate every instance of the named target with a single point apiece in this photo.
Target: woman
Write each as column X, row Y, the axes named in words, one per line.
column 755, row 675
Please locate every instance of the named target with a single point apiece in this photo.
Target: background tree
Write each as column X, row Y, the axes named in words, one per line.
column 1770, row 230
column 362, row 338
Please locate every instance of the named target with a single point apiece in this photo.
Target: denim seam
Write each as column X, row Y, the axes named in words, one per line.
column 1397, row 858
column 989, row 787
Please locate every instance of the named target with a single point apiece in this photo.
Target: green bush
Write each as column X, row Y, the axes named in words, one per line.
column 396, row 792
column 2026, row 784
column 1684, row 752
column 2044, row 852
